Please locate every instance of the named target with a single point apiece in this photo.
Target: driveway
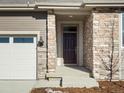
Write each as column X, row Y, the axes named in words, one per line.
column 16, row 86
column 24, row 86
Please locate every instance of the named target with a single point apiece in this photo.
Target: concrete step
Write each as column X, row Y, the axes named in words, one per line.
column 79, row 82
column 72, row 76
column 53, row 74
column 73, row 82
column 71, row 72
column 46, row 83
column 67, row 81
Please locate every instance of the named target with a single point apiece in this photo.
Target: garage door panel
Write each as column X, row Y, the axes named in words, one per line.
column 4, row 74
column 5, row 53
column 18, row 60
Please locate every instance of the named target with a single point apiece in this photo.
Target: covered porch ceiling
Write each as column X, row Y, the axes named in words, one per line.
column 70, row 17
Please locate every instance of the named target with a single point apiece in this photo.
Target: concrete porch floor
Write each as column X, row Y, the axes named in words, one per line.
column 72, row 76
column 72, row 71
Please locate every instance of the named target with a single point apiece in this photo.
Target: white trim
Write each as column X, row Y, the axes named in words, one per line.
column 120, row 41
column 120, row 22
column 121, row 33
column 120, row 25
column 26, row 5
column 11, row 39
column 64, row 4
column 21, row 33
column 24, row 9
column 55, row 6
column 60, row 39
column 104, row 5
column 72, row 12
column 59, row 7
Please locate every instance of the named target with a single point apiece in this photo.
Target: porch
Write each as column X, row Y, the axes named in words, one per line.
column 71, row 51
column 69, row 70
column 72, row 76
column 71, row 45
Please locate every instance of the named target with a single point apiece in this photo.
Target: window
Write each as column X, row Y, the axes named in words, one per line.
column 4, row 39
column 23, row 40
column 70, row 28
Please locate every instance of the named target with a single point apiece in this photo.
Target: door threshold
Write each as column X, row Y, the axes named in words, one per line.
column 70, row 64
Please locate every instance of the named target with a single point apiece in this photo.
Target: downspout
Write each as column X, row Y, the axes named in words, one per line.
column 47, row 42
column 82, row 5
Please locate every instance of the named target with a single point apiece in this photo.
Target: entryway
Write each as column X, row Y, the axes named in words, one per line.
column 70, row 44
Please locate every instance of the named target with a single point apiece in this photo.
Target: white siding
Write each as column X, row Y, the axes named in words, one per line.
column 24, row 21
column 21, row 23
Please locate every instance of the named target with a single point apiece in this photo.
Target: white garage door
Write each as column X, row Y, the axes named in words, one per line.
column 17, row 57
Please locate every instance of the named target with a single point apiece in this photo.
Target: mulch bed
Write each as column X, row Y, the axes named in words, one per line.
column 105, row 87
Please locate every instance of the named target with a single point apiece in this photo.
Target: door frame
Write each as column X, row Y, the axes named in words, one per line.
column 76, row 25
column 60, row 60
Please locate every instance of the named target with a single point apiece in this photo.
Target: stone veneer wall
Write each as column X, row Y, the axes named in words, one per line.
column 50, row 49
column 52, row 46
column 88, row 43
column 102, row 29
column 122, row 52
column 50, row 39
column 41, row 67
column 122, row 64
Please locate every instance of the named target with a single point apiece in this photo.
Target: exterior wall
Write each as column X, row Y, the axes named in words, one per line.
column 122, row 64
column 27, row 23
column 88, row 43
column 121, row 49
column 24, row 21
column 52, row 46
column 41, row 65
column 102, row 43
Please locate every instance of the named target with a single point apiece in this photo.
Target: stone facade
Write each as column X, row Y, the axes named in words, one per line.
column 103, row 26
column 88, row 43
column 47, row 52
column 41, row 67
column 122, row 64
column 97, row 44
column 42, row 50
column 122, row 53
column 52, row 46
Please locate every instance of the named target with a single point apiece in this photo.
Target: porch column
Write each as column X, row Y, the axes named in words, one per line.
column 52, row 47
column 104, row 24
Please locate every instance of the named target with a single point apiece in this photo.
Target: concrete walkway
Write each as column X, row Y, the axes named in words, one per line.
column 24, row 86
column 27, row 86
column 16, row 86
column 71, row 76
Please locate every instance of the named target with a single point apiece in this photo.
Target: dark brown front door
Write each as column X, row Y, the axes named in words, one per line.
column 70, row 44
